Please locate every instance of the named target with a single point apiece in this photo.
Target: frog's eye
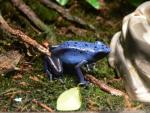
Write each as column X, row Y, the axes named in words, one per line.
column 52, row 47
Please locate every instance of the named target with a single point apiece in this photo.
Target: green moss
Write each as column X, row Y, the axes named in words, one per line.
column 97, row 100
column 46, row 15
column 103, row 70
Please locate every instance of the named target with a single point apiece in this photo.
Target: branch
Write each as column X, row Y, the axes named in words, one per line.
column 42, row 105
column 65, row 13
column 109, row 89
column 33, row 18
column 17, row 92
column 20, row 35
column 104, row 86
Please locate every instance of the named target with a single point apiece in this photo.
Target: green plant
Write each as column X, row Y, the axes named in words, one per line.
column 62, row 2
column 135, row 2
column 94, row 3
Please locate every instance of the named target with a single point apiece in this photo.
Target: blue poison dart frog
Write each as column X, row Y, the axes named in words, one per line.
column 74, row 54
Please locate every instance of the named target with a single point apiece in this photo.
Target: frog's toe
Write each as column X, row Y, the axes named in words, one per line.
column 84, row 83
column 50, row 76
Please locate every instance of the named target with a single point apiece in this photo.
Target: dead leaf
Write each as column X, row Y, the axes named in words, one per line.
column 91, row 105
column 34, row 78
column 17, row 77
column 23, row 83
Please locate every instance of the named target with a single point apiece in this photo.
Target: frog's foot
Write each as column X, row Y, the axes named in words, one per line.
column 60, row 79
column 50, row 76
column 84, row 83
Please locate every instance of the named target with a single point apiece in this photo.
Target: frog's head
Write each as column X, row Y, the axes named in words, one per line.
column 101, row 50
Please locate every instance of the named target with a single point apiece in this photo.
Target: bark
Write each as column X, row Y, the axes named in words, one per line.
column 104, row 86
column 42, row 105
column 22, row 36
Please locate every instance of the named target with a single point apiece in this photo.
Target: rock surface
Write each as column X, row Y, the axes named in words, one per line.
column 130, row 54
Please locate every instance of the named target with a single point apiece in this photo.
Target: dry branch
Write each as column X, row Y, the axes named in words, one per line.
column 34, row 18
column 104, row 86
column 42, row 105
column 65, row 13
column 109, row 89
column 17, row 92
column 20, row 35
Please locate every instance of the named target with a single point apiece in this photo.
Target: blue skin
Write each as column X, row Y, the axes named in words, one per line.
column 74, row 54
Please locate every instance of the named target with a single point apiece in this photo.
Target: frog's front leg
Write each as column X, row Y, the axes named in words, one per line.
column 79, row 72
column 53, row 66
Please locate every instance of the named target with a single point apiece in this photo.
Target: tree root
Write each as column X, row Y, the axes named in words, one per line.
column 42, row 105
column 65, row 13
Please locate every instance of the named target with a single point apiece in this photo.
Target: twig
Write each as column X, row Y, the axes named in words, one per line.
column 137, row 107
column 104, row 86
column 13, row 94
column 109, row 89
column 33, row 17
column 42, row 105
column 8, row 90
column 127, row 102
column 20, row 35
column 115, row 80
column 78, row 31
column 17, row 92
column 65, row 13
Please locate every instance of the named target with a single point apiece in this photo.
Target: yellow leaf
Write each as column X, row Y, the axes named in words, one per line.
column 69, row 100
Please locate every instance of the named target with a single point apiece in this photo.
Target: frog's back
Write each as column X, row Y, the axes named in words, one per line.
column 78, row 45
column 73, row 52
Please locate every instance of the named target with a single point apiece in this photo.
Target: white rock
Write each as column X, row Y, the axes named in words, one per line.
column 18, row 99
column 130, row 54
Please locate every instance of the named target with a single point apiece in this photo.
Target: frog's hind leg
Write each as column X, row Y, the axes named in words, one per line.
column 79, row 72
column 47, row 69
column 50, row 75
column 53, row 66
